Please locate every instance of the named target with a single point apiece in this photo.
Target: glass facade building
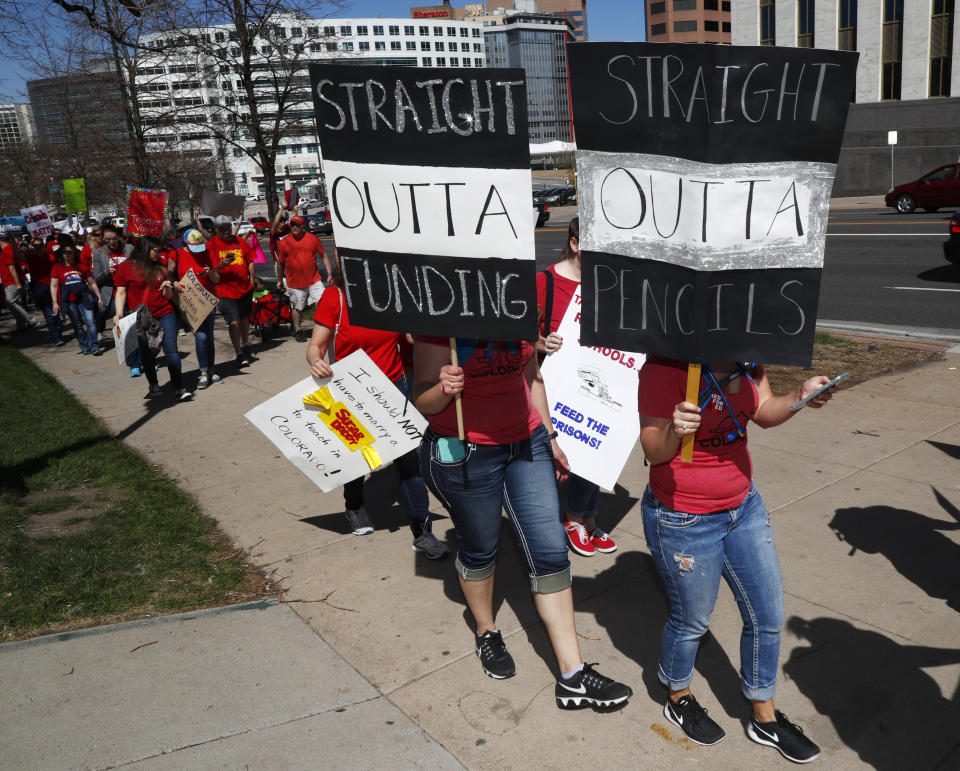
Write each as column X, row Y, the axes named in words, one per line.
column 536, row 42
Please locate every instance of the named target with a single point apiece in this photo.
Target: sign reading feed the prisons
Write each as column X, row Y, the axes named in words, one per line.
column 704, row 180
column 428, row 178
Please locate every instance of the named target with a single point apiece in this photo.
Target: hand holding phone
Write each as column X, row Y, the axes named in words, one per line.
column 822, row 389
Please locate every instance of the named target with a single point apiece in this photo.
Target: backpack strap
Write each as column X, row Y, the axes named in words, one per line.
column 548, row 302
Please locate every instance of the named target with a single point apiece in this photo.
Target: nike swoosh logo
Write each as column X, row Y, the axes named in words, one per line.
column 771, row 737
column 581, row 689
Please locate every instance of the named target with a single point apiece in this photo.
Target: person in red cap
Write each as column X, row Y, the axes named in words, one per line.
column 232, row 258
column 297, row 267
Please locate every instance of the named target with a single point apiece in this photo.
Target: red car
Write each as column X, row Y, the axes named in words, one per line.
column 940, row 187
column 260, row 224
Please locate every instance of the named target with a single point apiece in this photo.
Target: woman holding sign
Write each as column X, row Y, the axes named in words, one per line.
column 333, row 327
column 705, row 520
column 508, row 460
column 194, row 256
column 555, row 288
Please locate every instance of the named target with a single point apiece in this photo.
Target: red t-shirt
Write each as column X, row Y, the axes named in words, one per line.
column 496, row 403
column 235, row 277
column 8, row 260
column 115, row 260
column 128, row 275
column 72, row 280
column 563, row 290
column 153, row 298
column 379, row 345
column 299, row 260
column 39, row 263
column 719, row 476
column 86, row 256
column 198, row 262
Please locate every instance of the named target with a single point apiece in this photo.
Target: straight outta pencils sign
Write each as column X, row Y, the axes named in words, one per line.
column 428, row 175
column 704, row 179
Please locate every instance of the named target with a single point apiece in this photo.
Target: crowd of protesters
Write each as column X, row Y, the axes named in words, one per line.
column 704, row 520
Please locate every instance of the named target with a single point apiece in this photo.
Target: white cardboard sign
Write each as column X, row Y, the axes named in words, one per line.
column 125, row 337
column 196, row 301
column 592, row 395
column 331, row 455
column 37, row 220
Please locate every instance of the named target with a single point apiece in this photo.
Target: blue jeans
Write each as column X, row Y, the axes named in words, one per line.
column 490, row 477
column 582, row 497
column 170, row 350
column 692, row 552
column 413, row 492
column 203, row 338
column 44, row 300
column 83, row 318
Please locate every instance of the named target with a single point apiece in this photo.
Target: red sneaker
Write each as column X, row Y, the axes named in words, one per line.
column 602, row 542
column 579, row 538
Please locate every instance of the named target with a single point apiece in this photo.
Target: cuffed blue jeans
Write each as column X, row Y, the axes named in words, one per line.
column 490, row 477
column 169, row 344
column 692, row 552
column 82, row 316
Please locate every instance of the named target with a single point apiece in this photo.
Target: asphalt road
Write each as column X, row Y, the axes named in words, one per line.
column 880, row 268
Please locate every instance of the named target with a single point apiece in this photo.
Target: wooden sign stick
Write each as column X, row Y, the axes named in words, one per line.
column 693, row 393
column 454, row 360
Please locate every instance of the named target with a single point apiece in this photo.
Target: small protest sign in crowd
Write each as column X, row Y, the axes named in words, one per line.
column 704, row 177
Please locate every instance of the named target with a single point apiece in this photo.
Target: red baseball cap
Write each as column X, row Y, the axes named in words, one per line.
column 296, row 220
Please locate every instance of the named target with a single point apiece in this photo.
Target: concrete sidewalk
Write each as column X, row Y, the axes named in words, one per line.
column 865, row 500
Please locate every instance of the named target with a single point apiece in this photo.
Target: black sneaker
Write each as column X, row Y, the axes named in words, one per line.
column 784, row 736
column 687, row 715
column 299, row 336
column 242, row 361
column 429, row 544
column 589, row 688
column 493, row 655
column 251, row 356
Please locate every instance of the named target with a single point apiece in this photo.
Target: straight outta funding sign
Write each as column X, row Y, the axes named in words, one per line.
column 428, row 176
column 704, row 179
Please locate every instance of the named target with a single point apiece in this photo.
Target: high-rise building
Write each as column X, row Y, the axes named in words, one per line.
column 62, row 110
column 537, row 43
column 16, row 125
column 688, row 21
column 188, row 81
column 906, row 81
column 574, row 11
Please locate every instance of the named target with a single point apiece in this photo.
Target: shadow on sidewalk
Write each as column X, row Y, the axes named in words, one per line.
column 912, row 543
column 874, row 690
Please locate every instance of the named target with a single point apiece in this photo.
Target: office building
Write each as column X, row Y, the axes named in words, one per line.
column 688, row 21
column 573, row 11
column 16, row 125
column 63, row 116
column 907, row 80
column 537, row 43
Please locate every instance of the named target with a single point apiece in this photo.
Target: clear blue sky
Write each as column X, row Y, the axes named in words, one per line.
column 607, row 20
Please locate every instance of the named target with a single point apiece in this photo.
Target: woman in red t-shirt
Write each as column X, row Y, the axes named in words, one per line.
column 153, row 264
column 507, row 461
column 333, row 326
column 72, row 287
column 560, row 281
column 194, row 256
column 705, row 520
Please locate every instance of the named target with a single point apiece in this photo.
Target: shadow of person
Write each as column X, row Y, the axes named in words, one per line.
column 952, row 450
column 875, row 692
column 910, row 541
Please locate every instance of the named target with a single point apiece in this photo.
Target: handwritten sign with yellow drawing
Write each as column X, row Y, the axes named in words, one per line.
column 342, row 427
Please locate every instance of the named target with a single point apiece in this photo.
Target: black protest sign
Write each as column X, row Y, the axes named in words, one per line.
column 704, row 182
column 428, row 176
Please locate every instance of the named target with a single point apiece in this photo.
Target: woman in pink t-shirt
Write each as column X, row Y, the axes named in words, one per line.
column 705, row 520
column 509, row 460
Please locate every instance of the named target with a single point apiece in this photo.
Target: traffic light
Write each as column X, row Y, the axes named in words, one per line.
column 286, row 171
column 244, row 177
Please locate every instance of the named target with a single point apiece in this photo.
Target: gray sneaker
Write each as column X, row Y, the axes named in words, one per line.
column 429, row 545
column 359, row 521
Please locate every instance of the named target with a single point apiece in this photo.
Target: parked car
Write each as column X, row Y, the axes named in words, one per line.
column 319, row 222
column 940, row 187
column 543, row 212
column 951, row 247
column 260, row 224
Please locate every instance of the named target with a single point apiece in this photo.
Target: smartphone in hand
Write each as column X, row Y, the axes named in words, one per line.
column 822, row 389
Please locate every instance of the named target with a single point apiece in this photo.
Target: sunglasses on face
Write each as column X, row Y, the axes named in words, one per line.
column 98, row 235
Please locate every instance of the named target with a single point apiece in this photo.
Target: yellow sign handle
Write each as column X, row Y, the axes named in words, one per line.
column 454, row 360
column 693, row 391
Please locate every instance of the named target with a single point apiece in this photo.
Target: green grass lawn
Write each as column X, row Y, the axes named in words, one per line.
column 90, row 533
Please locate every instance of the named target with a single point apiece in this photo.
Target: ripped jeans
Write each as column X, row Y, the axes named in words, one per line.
column 692, row 552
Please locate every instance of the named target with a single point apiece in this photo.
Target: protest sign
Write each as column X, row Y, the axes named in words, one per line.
column 291, row 197
column 125, row 337
column 227, row 204
column 356, row 420
column 704, row 181
column 146, row 212
column 37, row 220
column 196, row 302
column 428, row 174
column 75, row 193
column 592, row 395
